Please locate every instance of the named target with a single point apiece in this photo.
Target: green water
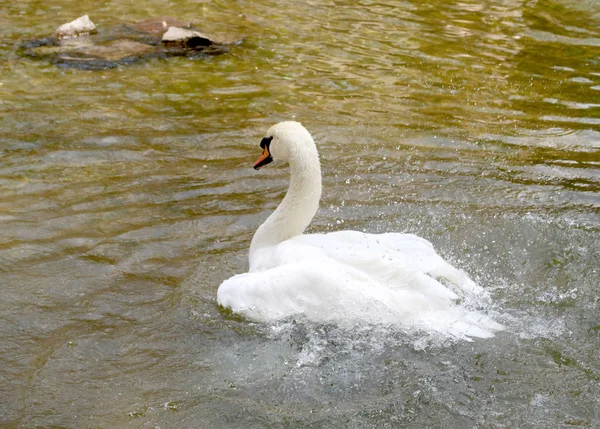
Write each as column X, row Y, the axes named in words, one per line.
column 127, row 196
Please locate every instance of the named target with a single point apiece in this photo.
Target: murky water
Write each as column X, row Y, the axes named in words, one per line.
column 127, row 197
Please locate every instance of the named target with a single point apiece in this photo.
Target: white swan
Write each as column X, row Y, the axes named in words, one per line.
column 345, row 276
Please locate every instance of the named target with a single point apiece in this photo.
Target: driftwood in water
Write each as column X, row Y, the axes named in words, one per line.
column 80, row 44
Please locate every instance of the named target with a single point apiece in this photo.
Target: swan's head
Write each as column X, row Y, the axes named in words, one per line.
column 283, row 141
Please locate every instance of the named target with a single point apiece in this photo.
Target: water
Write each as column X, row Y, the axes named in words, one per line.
column 127, row 196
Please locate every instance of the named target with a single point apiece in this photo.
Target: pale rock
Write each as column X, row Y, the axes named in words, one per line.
column 81, row 26
column 178, row 34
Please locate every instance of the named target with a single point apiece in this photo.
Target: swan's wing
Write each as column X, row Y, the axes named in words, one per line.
column 271, row 294
column 425, row 259
column 332, row 292
column 358, row 255
column 350, row 276
column 398, row 260
column 323, row 290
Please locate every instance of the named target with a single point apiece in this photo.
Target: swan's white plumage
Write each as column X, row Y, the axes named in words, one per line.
column 345, row 276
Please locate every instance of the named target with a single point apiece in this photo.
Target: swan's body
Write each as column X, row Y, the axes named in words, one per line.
column 345, row 276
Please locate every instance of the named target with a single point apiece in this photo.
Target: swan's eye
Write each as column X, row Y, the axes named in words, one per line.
column 265, row 142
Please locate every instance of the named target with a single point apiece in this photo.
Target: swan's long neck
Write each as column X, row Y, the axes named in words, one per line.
column 299, row 204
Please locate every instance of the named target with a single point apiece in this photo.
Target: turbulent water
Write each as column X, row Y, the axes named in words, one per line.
column 127, row 196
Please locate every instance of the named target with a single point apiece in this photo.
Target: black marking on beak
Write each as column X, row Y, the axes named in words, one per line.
column 266, row 157
column 265, row 142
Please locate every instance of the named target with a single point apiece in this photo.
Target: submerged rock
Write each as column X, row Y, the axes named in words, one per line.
column 158, row 25
column 79, row 44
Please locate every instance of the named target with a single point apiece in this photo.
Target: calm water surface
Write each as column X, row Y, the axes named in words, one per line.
column 127, row 196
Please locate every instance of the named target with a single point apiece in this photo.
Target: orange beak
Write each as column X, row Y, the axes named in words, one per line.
column 264, row 159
